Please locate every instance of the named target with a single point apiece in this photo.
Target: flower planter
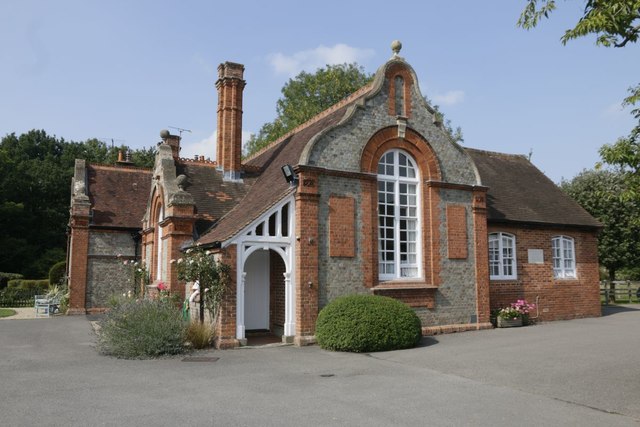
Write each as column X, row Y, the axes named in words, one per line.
column 509, row 323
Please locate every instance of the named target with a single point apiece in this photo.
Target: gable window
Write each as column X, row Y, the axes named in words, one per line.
column 502, row 256
column 398, row 221
column 564, row 258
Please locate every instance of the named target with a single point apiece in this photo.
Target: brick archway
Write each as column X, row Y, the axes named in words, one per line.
column 428, row 164
column 413, row 143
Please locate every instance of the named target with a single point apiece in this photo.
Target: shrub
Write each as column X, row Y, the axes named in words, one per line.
column 139, row 329
column 41, row 286
column 364, row 323
column 56, row 273
column 200, row 335
column 5, row 277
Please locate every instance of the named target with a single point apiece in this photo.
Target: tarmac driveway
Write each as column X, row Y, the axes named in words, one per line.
column 581, row 372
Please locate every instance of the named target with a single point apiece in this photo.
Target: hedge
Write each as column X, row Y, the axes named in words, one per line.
column 41, row 285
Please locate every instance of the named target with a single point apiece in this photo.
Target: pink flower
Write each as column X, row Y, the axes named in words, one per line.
column 161, row 286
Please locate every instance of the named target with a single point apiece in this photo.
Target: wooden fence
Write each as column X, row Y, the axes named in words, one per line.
column 623, row 291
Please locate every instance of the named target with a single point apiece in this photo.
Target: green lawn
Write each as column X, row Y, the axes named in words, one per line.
column 6, row 312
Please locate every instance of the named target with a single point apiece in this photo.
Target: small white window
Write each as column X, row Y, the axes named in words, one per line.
column 564, row 257
column 502, row 256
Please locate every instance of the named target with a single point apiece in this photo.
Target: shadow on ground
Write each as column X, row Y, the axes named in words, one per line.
column 608, row 310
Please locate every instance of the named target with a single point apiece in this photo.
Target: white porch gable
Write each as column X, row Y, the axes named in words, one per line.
column 274, row 230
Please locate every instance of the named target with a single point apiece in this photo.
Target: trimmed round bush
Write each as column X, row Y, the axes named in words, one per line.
column 56, row 273
column 141, row 329
column 366, row 323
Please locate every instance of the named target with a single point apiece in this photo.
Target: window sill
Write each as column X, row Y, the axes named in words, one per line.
column 400, row 284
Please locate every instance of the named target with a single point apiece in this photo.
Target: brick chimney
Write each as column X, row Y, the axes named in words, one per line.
column 229, row 144
column 172, row 141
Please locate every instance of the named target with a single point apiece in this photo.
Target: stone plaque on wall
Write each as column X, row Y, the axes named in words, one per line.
column 536, row 256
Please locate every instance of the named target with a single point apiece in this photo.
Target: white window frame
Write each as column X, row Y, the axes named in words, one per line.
column 563, row 255
column 502, row 240
column 396, row 180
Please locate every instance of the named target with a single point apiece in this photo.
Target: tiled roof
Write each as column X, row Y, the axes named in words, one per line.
column 213, row 196
column 118, row 195
column 270, row 187
column 520, row 192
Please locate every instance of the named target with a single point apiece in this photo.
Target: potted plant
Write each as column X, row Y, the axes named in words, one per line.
column 516, row 314
column 509, row 317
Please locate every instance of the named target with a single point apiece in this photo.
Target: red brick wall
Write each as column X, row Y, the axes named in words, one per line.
column 481, row 245
column 307, row 199
column 342, row 226
column 226, row 324
column 79, row 251
column 276, row 291
column 557, row 298
column 457, row 231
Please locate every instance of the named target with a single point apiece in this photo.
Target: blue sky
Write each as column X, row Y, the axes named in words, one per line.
column 124, row 70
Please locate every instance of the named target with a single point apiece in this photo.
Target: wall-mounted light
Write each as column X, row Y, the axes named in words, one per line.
column 289, row 174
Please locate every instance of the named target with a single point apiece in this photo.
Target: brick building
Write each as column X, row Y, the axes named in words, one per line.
column 378, row 199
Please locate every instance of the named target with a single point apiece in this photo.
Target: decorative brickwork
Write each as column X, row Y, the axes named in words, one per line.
column 394, row 71
column 230, row 86
column 342, row 212
column 456, row 232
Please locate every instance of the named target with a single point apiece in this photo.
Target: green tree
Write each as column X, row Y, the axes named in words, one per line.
column 306, row 95
column 35, row 177
column 597, row 191
column 615, row 23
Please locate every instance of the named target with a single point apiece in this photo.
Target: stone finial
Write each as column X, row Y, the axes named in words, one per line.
column 164, row 134
column 396, row 45
column 181, row 181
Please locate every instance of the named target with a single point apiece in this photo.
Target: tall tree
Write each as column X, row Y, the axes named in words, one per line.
column 35, row 178
column 615, row 23
column 598, row 192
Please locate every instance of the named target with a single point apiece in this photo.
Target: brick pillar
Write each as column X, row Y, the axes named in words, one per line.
column 230, row 87
column 226, row 322
column 178, row 229
column 78, row 257
column 369, row 231
column 307, row 200
column 481, row 245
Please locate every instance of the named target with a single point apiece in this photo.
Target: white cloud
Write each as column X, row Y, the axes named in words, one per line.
column 206, row 147
column 450, row 98
column 312, row 59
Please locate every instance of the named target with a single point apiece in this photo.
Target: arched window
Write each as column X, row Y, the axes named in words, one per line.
column 502, row 256
column 398, row 216
column 564, row 258
column 159, row 248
